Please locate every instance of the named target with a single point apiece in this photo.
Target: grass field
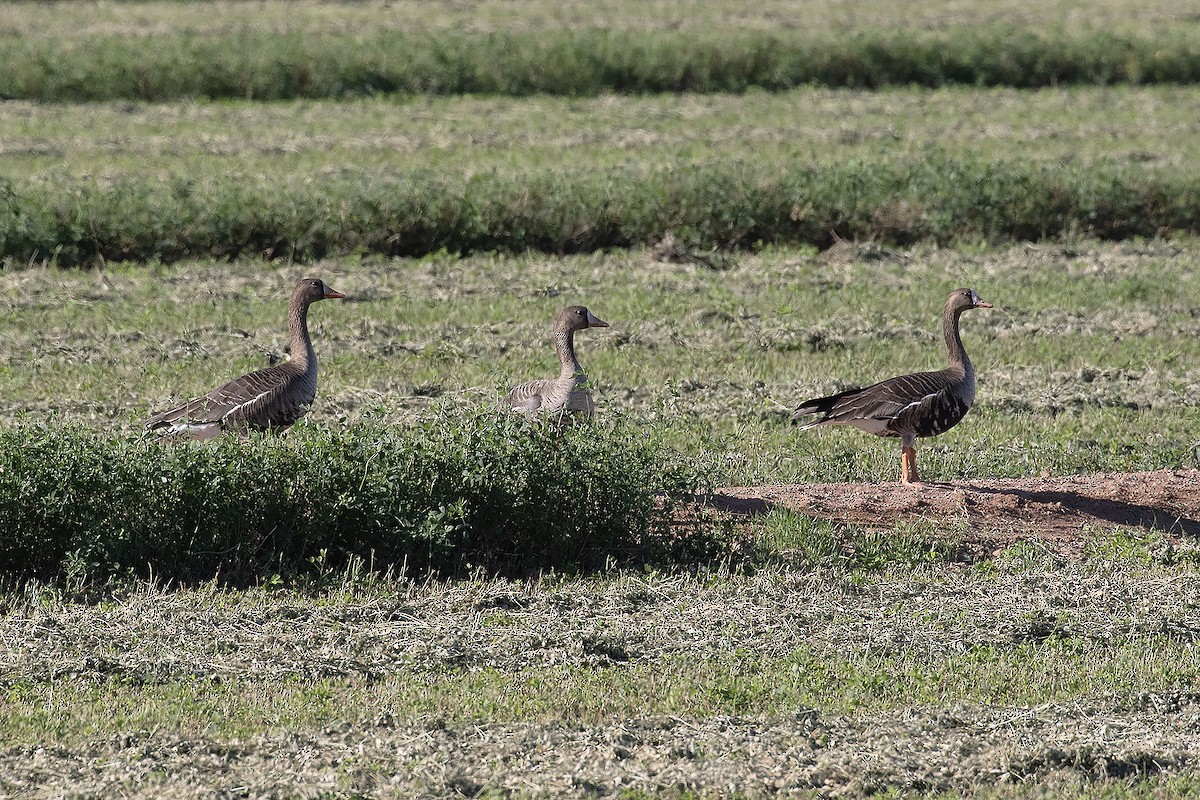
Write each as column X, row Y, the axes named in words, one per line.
column 271, row 635
column 1077, row 680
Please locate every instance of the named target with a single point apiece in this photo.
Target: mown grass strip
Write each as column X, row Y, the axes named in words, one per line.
column 720, row 683
column 1148, row 127
column 449, row 493
column 1171, row 787
column 492, row 16
column 273, row 65
column 69, row 220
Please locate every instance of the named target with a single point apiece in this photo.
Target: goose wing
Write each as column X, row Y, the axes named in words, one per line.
column 882, row 402
column 255, row 399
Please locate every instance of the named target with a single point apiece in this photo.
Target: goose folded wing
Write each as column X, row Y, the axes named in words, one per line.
column 241, row 400
column 529, row 396
column 889, row 399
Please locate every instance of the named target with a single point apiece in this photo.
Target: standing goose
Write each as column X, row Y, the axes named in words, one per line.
column 568, row 392
column 269, row 399
column 920, row 404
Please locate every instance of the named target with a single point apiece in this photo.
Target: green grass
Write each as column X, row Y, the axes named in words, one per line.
column 725, row 684
column 813, row 543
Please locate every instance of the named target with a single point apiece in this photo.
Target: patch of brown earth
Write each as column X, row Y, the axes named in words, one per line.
column 997, row 512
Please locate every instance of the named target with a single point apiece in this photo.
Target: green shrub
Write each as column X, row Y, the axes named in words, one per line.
column 456, row 491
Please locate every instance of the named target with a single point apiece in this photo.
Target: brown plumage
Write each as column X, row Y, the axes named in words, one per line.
column 568, row 392
column 269, row 399
column 917, row 405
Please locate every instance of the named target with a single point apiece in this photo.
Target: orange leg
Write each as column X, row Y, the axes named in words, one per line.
column 908, row 465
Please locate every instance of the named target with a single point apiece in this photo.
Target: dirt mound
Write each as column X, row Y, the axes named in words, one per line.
column 996, row 512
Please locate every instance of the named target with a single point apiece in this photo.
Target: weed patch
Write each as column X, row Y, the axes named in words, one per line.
column 453, row 492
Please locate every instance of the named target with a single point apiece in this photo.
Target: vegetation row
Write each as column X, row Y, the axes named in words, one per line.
column 454, row 492
column 274, row 65
column 73, row 220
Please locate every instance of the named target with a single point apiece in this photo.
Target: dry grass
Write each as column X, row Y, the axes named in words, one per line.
column 1050, row 748
column 276, row 692
column 1148, row 127
column 90, row 19
column 356, row 633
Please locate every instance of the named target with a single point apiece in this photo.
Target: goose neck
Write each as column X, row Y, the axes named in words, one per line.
column 302, row 354
column 955, row 351
column 564, row 345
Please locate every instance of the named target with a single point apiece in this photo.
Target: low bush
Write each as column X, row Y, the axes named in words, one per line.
column 455, row 492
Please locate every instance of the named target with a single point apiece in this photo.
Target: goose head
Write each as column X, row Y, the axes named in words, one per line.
column 310, row 290
column 962, row 299
column 576, row 318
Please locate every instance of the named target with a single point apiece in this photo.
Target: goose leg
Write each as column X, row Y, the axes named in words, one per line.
column 908, row 465
column 908, row 462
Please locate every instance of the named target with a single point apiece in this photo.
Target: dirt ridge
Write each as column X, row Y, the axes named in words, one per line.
column 1060, row 510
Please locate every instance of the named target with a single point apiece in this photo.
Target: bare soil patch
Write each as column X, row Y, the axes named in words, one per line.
column 1061, row 511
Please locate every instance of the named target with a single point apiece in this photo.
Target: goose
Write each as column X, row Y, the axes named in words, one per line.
column 568, row 392
column 274, row 398
column 916, row 405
